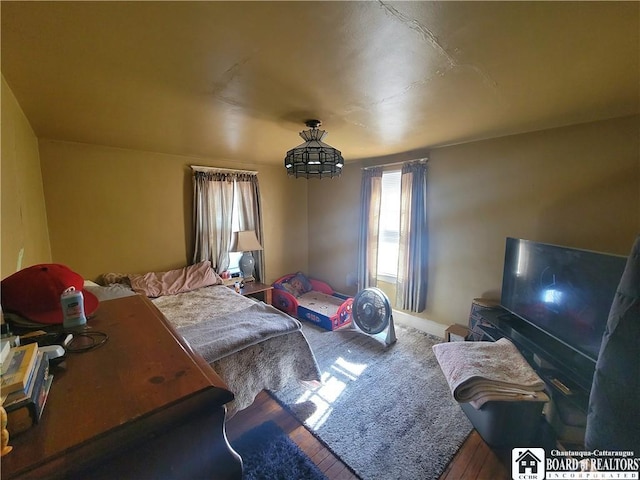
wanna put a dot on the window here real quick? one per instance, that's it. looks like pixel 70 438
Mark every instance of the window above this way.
pixel 225 200
pixel 234 257
pixel 389 233
pixel 393 237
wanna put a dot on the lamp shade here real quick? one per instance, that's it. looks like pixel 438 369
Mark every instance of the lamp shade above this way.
pixel 245 241
pixel 313 158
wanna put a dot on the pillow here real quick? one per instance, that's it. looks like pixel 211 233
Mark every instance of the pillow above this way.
pixel 111 278
pixel 296 285
pixel 114 290
pixel 157 284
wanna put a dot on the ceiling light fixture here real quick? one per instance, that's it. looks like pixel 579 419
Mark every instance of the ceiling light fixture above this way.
pixel 313 158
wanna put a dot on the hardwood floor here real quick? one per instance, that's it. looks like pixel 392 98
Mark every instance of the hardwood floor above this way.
pixel 474 461
pixel 265 408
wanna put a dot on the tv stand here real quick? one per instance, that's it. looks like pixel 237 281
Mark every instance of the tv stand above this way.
pixel 566 372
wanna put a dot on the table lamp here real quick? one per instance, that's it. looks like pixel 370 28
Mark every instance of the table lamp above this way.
pixel 246 242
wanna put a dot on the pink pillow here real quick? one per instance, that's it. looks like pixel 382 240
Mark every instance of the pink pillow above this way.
pixel 157 284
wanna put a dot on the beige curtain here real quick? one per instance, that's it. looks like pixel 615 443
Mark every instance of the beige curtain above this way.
pixel 212 210
pixel 250 217
pixel 213 194
pixel 370 201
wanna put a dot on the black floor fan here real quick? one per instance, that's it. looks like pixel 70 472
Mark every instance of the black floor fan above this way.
pixel 372 314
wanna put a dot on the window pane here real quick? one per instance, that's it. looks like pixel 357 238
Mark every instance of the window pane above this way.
pixel 389 235
pixel 234 257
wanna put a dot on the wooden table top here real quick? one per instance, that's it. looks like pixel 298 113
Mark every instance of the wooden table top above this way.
pixel 144 376
pixel 254 287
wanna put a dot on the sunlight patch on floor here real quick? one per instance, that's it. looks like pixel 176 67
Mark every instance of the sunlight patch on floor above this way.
pixel 334 381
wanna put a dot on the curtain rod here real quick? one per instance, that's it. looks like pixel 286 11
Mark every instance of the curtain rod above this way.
pixel 419 160
pixel 200 168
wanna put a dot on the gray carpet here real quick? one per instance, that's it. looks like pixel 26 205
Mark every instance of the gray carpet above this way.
pixel 387 412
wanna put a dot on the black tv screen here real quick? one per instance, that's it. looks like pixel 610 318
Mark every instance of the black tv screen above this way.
pixel 565 292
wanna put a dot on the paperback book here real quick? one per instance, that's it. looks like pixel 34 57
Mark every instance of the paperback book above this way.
pixel 40 372
pixel 20 369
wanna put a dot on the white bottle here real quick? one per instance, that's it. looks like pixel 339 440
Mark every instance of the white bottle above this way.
pixel 72 308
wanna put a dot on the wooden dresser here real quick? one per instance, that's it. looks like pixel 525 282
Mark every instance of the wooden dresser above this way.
pixel 142 406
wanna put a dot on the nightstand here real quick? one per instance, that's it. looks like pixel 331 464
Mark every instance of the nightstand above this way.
pixel 257 290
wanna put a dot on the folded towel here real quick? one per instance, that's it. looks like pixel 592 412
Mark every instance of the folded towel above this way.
pixel 478 372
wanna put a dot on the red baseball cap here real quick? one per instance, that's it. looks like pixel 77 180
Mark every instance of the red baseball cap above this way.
pixel 34 292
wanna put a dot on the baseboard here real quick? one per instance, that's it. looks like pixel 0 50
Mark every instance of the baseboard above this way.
pixel 423 324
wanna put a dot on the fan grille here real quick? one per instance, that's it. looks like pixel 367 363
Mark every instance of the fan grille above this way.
pixel 371 310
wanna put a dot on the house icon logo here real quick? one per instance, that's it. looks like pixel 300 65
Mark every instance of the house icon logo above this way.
pixel 527 464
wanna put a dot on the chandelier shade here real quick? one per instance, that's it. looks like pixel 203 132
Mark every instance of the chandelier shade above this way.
pixel 313 158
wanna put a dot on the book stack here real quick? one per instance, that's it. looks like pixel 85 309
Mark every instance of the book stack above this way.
pixel 6 354
pixel 24 387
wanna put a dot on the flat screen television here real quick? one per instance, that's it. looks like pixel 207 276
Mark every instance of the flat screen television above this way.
pixel 565 292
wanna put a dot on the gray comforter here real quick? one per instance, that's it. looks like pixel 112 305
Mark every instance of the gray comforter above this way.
pixel 252 346
pixel 220 335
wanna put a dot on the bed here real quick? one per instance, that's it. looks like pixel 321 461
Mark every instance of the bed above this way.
pixel 312 300
pixel 252 346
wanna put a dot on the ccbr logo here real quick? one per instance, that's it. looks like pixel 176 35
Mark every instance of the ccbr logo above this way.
pixel 527 464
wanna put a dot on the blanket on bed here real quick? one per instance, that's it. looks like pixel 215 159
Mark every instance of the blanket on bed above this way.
pixel 270 363
pixel 223 335
pixel 478 372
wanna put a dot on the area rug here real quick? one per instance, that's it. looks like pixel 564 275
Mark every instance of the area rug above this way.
pixel 269 454
pixel 387 412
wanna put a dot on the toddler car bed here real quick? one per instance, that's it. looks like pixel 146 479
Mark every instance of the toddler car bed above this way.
pixel 312 300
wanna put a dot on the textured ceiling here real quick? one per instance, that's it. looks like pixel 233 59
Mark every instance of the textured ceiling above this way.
pixel 237 80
